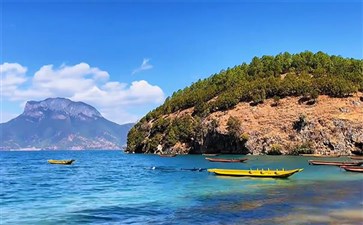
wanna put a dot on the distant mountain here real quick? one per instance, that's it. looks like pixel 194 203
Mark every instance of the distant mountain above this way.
pixel 59 123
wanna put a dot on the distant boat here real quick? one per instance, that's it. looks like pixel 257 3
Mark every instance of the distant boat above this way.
pixel 167 155
pixel 62 162
pixel 357 152
pixel 358 169
pixel 206 154
pixel 335 163
pixel 255 173
pixel 225 160
pixel 319 155
pixel 356 157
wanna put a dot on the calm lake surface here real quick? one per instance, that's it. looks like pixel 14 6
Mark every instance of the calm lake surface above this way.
pixel 110 187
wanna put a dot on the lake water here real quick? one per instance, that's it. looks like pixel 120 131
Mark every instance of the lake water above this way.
pixel 110 187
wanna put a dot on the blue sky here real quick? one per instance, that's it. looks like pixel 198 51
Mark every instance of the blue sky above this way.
pixel 124 58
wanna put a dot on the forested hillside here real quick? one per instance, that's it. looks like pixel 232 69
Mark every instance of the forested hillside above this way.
pixel 185 117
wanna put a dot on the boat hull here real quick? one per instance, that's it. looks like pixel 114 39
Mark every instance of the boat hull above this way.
pixel 357 169
pixel 225 160
pixel 334 163
pixel 356 157
pixel 61 162
pixel 167 155
pixel 320 156
pixel 255 173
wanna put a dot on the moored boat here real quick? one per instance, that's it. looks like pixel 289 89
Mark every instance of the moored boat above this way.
pixel 255 173
pixel 356 157
pixel 167 155
pixel 358 169
pixel 357 152
pixel 225 160
pixel 206 154
pixel 335 163
pixel 62 162
pixel 320 156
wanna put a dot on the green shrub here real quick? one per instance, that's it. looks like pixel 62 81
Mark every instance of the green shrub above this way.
pixel 244 137
pixel 275 150
pixel 305 148
pixel 276 101
pixel 234 127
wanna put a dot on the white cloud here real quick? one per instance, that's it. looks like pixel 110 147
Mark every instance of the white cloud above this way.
pixel 12 76
pixel 144 66
pixel 80 82
pixel 12 68
pixel 138 93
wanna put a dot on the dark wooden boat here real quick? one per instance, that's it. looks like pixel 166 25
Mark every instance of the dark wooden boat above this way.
pixel 358 152
pixel 358 169
pixel 210 154
pixel 321 156
pixel 335 163
pixel 167 155
pixel 225 160
pixel 356 157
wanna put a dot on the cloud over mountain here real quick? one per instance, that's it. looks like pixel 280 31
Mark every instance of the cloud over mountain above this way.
pixel 79 82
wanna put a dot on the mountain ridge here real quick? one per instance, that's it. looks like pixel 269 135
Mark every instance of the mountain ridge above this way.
pixel 61 105
pixel 59 123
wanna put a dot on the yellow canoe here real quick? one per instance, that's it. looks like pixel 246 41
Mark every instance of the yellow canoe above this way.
pixel 63 162
pixel 255 173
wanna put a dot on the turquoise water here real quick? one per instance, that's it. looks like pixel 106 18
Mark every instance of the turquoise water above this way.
pixel 110 187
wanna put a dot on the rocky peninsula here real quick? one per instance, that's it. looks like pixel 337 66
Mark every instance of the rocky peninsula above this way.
pixel 284 104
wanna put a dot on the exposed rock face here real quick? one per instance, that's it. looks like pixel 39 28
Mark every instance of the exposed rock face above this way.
pixel 327 129
pixel 59 123
pixel 329 126
pixel 214 142
pixel 60 108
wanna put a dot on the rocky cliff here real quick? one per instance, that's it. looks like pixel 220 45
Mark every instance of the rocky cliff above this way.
pixel 329 126
pixel 59 123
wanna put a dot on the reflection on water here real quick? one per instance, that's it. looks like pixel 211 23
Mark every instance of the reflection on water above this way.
pixel 107 187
